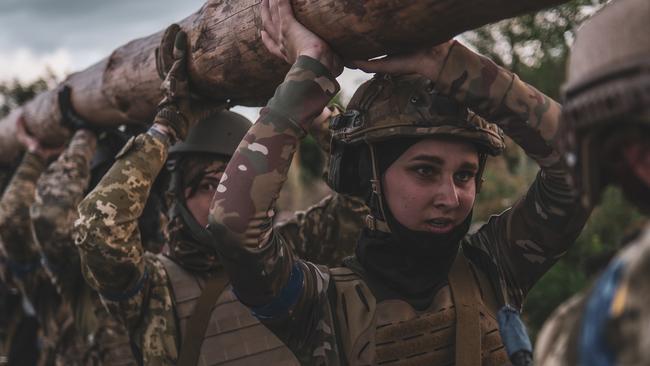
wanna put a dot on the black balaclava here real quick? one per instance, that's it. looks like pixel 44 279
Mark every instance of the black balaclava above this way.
pixel 406 264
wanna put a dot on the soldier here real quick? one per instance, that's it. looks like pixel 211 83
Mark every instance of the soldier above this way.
pixel 168 301
pixel 405 143
pixel 94 337
pixel 39 297
pixel 607 141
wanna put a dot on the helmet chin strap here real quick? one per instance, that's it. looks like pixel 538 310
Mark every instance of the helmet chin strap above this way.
pixel 372 222
pixel 196 231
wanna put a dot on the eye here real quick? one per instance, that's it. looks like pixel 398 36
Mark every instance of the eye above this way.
pixel 464 176
pixel 425 171
pixel 208 185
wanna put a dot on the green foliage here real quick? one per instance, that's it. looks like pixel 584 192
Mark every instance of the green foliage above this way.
pixel 311 158
pixel 13 94
pixel 604 234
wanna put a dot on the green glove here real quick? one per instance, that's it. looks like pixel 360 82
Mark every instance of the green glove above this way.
pixel 180 109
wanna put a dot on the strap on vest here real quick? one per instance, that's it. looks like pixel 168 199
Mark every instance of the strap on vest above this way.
pixel 468 321
pixel 198 322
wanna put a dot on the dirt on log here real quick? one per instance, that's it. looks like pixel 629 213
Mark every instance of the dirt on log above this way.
pixel 229 60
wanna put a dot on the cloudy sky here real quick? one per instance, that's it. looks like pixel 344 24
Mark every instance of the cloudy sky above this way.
pixel 70 35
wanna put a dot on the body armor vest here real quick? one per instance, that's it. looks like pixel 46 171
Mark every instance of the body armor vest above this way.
pixel 233 336
pixel 392 332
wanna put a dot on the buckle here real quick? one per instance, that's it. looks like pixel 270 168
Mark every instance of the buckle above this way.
pixel 348 120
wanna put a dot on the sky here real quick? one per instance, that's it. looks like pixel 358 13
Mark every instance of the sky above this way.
pixel 65 36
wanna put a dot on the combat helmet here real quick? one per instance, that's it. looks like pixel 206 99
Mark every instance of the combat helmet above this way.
pixel 388 107
pixel 217 135
pixel 608 87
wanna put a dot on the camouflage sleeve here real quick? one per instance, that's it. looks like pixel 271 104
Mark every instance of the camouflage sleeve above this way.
pixel 15 228
pixel 525 114
pixel 106 232
pixel 326 232
pixel 526 240
pixel 261 268
pixel 54 211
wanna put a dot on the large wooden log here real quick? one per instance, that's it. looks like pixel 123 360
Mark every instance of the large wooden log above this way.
pixel 230 62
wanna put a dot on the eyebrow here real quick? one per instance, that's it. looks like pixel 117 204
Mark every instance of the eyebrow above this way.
pixel 439 161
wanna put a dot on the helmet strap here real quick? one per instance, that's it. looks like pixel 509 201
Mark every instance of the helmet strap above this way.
pixel 372 222
pixel 179 208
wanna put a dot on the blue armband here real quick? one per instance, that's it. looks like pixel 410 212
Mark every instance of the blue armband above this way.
pixel 593 349
pixel 287 298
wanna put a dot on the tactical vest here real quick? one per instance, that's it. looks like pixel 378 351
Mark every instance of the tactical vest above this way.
pixel 392 332
pixel 233 336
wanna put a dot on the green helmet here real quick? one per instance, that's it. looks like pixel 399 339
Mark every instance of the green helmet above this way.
pixel 608 88
pixel 218 134
pixel 388 107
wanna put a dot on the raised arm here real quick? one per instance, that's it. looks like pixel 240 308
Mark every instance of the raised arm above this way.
pixel 259 264
pixel 15 226
pixel 15 230
pixel 540 227
pixel 106 232
pixel 54 211
pixel 524 241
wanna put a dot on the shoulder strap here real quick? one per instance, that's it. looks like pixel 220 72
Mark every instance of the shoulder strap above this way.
pixel 200 318
pixel 198 322
pixel 468 321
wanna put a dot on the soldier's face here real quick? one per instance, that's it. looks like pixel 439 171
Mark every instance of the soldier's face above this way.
pixel 432 186
pixel 198 201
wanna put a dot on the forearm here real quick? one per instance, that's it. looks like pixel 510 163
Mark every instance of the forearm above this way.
pixel 525 114
pixel 106 232
pixel 15 228
pixel 58 193
pixel 242 210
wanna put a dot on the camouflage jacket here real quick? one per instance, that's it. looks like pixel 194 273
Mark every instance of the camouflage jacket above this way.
pixel 134 285
pixel 15 227
pixel 23 258
pixel 606 324
pixel 94 337
pixel 290 295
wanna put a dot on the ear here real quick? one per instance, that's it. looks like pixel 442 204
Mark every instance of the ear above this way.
pixel 637 156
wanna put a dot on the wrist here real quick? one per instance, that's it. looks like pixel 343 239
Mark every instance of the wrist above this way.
pixel 323 55
pixel 164 132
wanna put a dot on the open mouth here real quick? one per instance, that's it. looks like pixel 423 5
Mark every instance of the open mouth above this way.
pixel 440 225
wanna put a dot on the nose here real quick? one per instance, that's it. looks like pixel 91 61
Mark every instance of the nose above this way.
pixel 446 195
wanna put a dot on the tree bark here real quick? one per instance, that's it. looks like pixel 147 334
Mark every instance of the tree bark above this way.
pixel 229 60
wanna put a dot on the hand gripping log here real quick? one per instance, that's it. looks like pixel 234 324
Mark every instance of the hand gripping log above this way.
pixel 229 61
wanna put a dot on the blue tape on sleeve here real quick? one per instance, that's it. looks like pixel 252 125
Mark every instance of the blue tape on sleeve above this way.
pixel 287 298
pixel 593 347
pixel 117 297
pixel 513 331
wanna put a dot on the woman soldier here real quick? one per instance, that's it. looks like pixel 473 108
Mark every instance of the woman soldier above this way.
pixel 418 290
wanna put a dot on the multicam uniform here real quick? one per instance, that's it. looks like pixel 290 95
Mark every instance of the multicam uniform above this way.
pixel 146 291
pixel 97 338
pixel 23 259
pixel 331 323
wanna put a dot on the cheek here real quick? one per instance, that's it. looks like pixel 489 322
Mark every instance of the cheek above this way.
pixel 199 207
pixel 466 198
pixel 405 196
